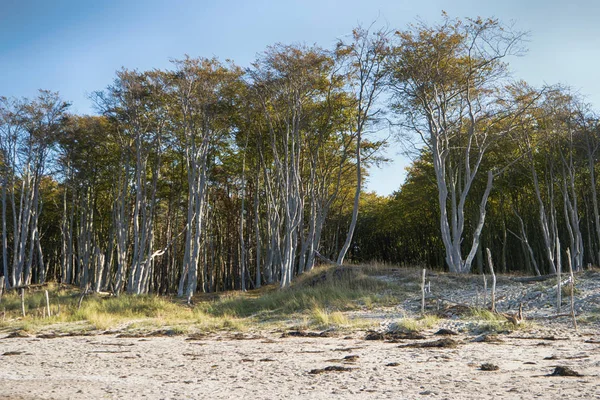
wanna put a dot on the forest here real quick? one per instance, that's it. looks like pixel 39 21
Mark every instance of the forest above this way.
pixel 210 176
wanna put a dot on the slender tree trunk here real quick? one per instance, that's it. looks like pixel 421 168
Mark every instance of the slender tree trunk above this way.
pixel 242 217
pixel 41 264
pixel 591 151
pixel 192 278
pixel 34 231
pixel 63 234
pixel 504 243
pixel 6 281
pixel 99 259
pixel 525 242
pixel 122 231
pixel 346 246
pixel 257 283
pixel 545 222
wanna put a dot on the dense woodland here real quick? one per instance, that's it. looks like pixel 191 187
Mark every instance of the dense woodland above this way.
pixel 209 176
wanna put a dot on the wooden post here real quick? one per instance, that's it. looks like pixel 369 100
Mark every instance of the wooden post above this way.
pixel 572 289
pixel 491 265
pixel 423 292
pixel 23 301
pixel 484 290
pixel 47 304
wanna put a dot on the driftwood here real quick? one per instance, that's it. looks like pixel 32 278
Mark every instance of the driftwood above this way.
pixel 90 292
pixel 562 283
pixel 515 318
pixel 555 316
pixel 529 279
pixel 551 338
pixel 331 368
pixel 440 343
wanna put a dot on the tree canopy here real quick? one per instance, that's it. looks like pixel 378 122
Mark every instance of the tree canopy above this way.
pixel 209 176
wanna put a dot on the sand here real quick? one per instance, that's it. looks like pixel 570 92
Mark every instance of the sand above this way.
pixel 268 366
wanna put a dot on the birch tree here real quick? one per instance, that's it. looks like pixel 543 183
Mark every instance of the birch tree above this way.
pixel 365 57
pixel 27 131
pixel 287 80
pixel 446 81
pixel 135 105
pixel 201 90
pixel 591 133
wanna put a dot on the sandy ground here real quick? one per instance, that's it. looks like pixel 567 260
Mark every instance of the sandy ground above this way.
pixel 273 367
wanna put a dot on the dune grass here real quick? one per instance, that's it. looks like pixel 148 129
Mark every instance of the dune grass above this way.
pixel 416 324
pixel 318 289
pixel 99 312
pixel 319 298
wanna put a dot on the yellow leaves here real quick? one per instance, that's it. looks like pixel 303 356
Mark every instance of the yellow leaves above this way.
pixel 447 64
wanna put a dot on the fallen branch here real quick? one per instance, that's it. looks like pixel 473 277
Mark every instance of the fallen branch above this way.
pixel 439 298
pixel 322 257
pixel 562 283
pixel 540 278
pixel 550 338
pixel 31 286
pixel 554 316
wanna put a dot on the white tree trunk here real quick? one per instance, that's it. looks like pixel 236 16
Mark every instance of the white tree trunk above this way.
pixel 348 241
pixel 5 280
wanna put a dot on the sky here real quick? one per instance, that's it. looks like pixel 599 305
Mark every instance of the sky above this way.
pixel 75 46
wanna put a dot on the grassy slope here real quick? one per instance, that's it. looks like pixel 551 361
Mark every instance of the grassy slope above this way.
pixel 344 298
pixel 316 299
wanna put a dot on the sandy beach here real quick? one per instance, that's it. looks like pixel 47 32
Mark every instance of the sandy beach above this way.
pixel 269 366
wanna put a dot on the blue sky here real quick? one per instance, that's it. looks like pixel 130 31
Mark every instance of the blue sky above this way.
pixel 75 47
